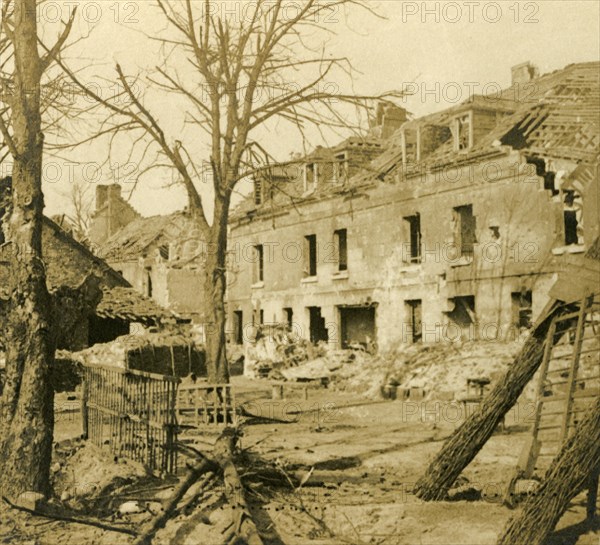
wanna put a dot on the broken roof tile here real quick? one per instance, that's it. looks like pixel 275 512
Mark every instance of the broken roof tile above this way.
pixel 131 306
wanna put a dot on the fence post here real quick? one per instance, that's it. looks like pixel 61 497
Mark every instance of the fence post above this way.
pixel 84 405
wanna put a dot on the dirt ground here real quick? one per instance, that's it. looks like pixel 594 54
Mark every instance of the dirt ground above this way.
pixel 357 460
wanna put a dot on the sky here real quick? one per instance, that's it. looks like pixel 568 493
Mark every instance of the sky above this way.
pixel 441 51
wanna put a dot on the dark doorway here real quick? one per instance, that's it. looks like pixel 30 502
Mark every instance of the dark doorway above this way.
pixel 238 327
pixel 358 327
pixel 289 317
pixel 318 331
pixel 105 330
pixel 414 318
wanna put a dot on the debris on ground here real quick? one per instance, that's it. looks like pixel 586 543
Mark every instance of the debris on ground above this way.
pixel 435 369
pixel 85 472
pixel 166 352
pixel 275 348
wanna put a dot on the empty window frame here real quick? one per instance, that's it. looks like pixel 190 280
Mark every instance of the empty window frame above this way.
pixel 413 313
pixel 317 328
pixel 522 302
pixel 258 274
pixel 311 175
pixel 413 231
pixel 341 246
pixel 310 255
pixel 357 327
pixel 465 229
pixel 463 132
pixel 149 282
pixel 340 168
pixel 463 313
pixel 238 327
pixel 571 215
pixel 288 314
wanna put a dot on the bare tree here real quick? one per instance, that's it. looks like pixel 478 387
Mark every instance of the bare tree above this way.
pixel 237 78
pixel 77 222
pixel 26 420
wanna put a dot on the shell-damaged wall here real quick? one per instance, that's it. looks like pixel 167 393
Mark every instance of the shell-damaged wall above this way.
pixel 516 224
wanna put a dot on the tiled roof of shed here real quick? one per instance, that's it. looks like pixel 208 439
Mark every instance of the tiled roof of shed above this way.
pixel 130 305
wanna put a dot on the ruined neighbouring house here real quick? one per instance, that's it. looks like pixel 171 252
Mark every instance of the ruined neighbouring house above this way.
pixel 161 256
pixel 69 267
pixel 445 227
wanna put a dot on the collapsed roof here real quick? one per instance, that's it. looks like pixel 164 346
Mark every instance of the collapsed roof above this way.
pixel 554 116
pixel 135 239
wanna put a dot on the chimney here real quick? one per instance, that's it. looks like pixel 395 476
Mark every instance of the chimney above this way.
pixel 524 73
pixel 114 192
pixel 101 194
pixel 106 192
pixel 391 119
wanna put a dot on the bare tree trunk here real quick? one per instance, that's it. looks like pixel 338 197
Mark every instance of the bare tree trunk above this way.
pixel 215 286
pixel 27 417
pixel 569 473
pixel 243 523
pixel 471 436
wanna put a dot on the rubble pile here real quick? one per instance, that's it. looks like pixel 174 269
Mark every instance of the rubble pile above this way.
pixel 86 472
pixel 166 352
pixel 437 370
pixel 276 349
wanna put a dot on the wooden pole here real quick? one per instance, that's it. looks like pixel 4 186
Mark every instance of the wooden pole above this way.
pixel 234 490
pixel 574 467
pixel 201 467
pixel 464 444
pixel 592 495
pixel 84 404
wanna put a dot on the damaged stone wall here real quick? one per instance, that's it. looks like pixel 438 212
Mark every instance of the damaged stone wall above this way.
pixel 516 226
pixel 185 293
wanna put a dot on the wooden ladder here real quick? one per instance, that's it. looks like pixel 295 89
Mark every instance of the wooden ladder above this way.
pixel 569 382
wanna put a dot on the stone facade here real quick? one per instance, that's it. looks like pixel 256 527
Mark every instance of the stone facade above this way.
pixel 453 232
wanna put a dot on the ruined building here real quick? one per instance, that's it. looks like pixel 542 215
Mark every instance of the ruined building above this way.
pixel 158 255
pixel 71 265
pixel 445 227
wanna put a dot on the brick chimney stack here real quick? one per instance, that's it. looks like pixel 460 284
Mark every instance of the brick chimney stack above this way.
pixel 524 73
pixel 104 193
pixel 388 119
pixel 111 215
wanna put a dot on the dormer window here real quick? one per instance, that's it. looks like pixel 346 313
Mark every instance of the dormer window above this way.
pixel 572 218
pixel 311 175
pixel 340 168
pixel 462 131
